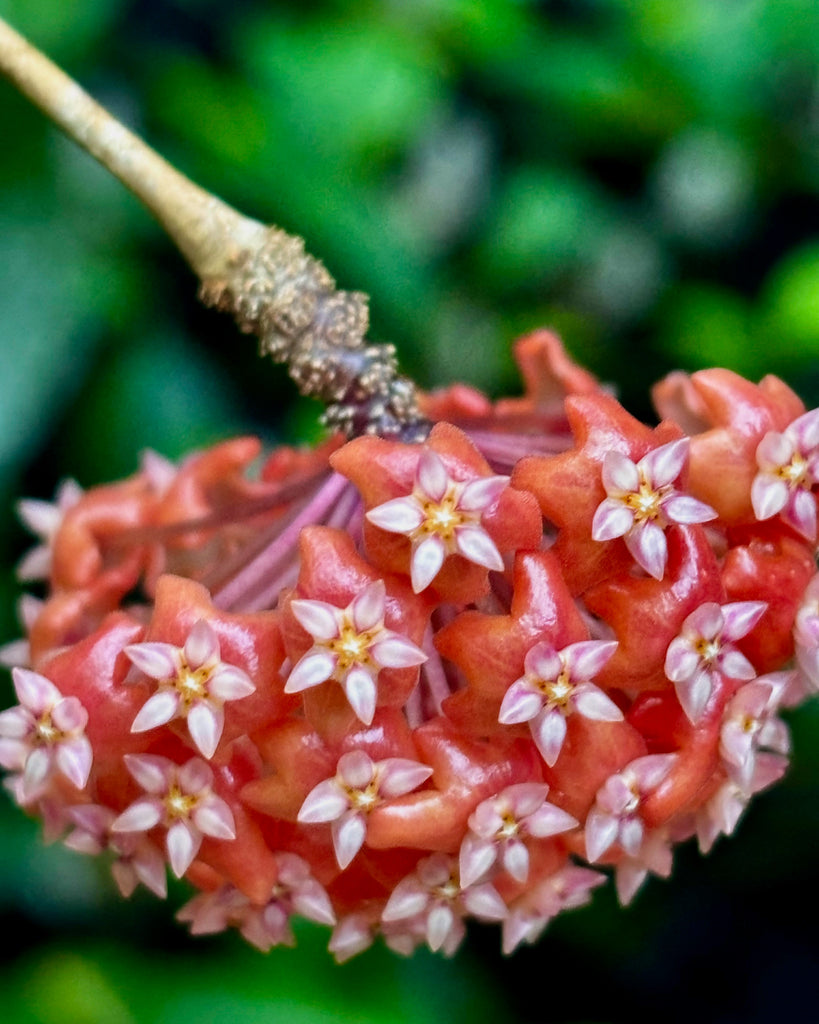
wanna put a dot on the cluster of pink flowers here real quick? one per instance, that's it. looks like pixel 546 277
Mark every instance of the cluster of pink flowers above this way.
pixel 391 686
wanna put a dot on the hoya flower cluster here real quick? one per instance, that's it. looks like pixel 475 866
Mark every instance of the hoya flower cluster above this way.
pixel 391 686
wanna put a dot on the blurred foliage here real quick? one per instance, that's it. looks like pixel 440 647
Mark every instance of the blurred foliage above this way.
pixel 644 176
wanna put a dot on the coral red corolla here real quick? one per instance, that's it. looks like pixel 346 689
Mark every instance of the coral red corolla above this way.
pixel 391 686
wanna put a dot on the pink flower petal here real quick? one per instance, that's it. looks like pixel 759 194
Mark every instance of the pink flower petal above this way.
pixel 319 618
pixel 408 898
pixel 543 662
pixel 311 901
pixel 619 474
pixel 681 660
pixel 34 691
pixel 806 430
pixel 549 820
pixel 740 618
pixel 431 475
pixel 549 732
pixel 355 769
pixel 74 758
pixel 349 833
pixel 480 495
pixel 800 513
pixel 484 902
pixel 157 710
pixel 735 665
pixel 150 771
pixel 520 704
pixel 396 651
pixel 201 646
pixel 360 688
pixel 39 765
pixel 475 544
pixel 230 683
pixel 590 702
pixel 663 465
pixel 182 844
pixel 693 693
pixel 769 495
pixel 611 520
pixel 326 802
pixel 476 857
pixel 399 775
pixel 426 562
pixel 195 776
pixel 68 715
pixel 214 818
pixel 440 922
pixel 141 816
pixel 631 836
pixel 652 769
pixel 149 867
pixel 515 859
pixel 585 659
pixel 647 546
pixel 314 668
pixel 774 451
pixel 401 515
pixel 682 508
pixel 601 832
pixel 524 798
pixel 157 660
pixel 16 723
pixel 368 608
pixel 205 725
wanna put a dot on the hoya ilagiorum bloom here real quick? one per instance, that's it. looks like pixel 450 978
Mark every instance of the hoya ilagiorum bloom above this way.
pixel 389 686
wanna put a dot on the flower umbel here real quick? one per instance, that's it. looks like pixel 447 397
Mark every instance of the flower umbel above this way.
pixel 351 645
pixel 441 517
pixel 642 501
pixel 390 685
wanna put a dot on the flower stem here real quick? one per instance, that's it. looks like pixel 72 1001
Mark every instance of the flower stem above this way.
pixel 260 274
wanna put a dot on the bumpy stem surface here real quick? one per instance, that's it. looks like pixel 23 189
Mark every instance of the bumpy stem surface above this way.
pixel 260 274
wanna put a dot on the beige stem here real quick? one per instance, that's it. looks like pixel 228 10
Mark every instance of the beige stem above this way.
pixel 208 232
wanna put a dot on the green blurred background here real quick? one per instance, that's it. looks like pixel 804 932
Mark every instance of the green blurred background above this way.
pixel 643 176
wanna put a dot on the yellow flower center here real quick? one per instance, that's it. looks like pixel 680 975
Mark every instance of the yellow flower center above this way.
pixel 364 799
pixel 442 517
pixel 557 691
pixel 645 503
pixel 707 649
pixel 351 647
pixel 179 804
pixel 46 732
pixel 191 684
pixel 795 473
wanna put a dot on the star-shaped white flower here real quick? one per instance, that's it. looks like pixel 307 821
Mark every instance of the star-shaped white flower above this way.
pixel 705 649
pixel 642 501
pixel 615 816
pixel 531 912
pixel 263 925
pixel 721 814
pixel 181 800
pixel 350 645
pixel 750 724
pixel 194 684
pixel 788 471
pixel 442 517
pixel 136 858
pixel 44 518
pixel 44 734
pixel 433 899
pixel 556 684
pixel 359 785
pixel 499 827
